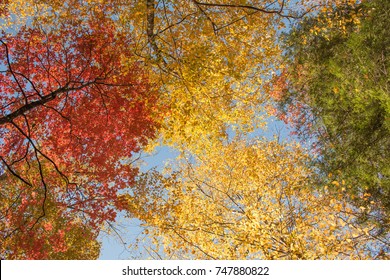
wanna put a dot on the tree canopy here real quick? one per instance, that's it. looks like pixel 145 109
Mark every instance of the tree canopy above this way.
pixel 250 200
pixel 89 86
pixel 336 92
pixel 72 119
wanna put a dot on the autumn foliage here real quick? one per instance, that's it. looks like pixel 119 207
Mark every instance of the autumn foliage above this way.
pixel 87 87
pixel 250 200
pixel 72 118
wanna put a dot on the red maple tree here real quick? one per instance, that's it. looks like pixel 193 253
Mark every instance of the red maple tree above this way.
pixel 72 118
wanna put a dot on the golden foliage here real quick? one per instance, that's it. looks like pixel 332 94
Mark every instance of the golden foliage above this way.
pixel 247 201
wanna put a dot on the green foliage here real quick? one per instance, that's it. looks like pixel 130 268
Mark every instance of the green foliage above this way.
pixel 338 91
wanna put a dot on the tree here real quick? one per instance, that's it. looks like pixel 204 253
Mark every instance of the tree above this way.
pixel 60 233
pixel 72 119
pixel 210 60
pixel 75 82
pixel 250 200
pixel 336 91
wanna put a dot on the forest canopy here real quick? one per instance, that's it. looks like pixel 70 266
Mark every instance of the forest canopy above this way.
pixel 89 88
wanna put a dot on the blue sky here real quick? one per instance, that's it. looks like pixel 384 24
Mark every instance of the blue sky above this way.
pixel 117 248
